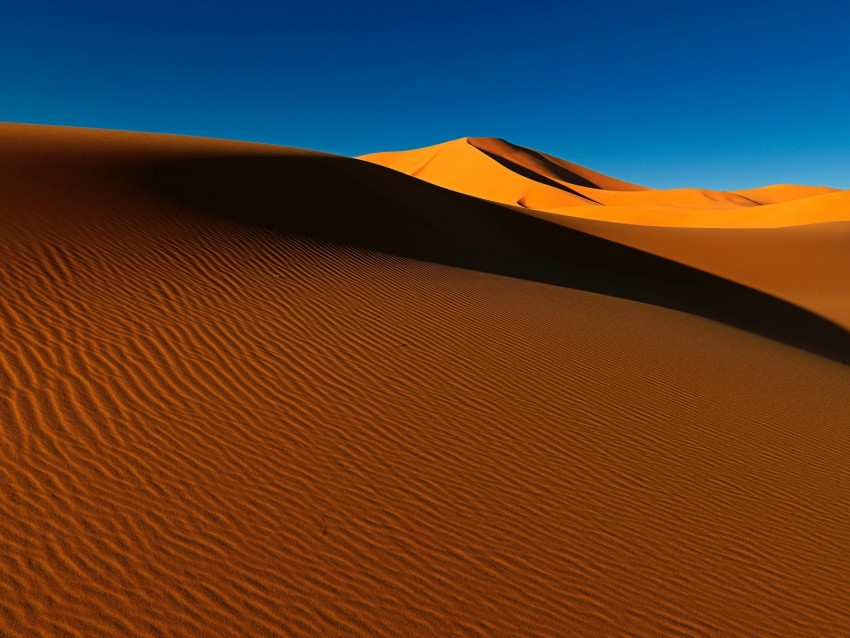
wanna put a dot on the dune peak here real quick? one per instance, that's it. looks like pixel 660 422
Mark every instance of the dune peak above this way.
pixel 495 169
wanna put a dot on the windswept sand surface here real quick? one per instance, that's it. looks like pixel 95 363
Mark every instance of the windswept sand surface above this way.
pixel 256 391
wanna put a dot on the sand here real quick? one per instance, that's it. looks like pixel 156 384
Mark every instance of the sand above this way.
pixel 800 264
pixel 257 391
pixel 498 171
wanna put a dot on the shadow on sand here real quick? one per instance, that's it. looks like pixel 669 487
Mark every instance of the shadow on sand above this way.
pixel 359 204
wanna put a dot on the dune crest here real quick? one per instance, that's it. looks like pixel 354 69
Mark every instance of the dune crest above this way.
pixel 511 174
pixel 462 167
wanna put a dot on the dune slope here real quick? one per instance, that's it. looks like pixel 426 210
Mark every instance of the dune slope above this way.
pixel 256 391
pixel 499 171
pixel 803 264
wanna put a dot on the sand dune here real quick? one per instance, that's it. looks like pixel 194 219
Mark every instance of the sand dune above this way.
pixel 781 193
pixel 461 167
pixel 257 391
pixel 801 264
pixel 498 171
pixel 717 232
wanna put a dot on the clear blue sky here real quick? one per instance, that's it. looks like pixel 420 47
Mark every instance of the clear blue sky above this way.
pixel 666 93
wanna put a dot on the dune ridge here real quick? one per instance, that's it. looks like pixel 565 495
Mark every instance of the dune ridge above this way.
pixel 511 174
pixel 258 391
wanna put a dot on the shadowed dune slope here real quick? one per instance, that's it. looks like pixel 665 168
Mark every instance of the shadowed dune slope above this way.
pixel 372 208
pixel 805 265
pixel 256 391
pixel 543 165
pixel 498 171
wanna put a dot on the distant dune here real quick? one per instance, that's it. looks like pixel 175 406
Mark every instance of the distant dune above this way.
pixel 496 170
pixel 788 241
pixel 257 391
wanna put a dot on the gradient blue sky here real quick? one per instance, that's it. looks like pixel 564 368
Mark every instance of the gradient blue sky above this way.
pixel 721 94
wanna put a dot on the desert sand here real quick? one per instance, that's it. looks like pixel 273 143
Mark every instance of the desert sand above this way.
pixel 257 391
pixel 498 171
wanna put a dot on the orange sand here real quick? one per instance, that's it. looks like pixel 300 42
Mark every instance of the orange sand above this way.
pixel 804 264
pixel 257 391
pixel 502 172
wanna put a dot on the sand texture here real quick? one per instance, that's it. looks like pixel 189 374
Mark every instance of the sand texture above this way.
pixel 255 391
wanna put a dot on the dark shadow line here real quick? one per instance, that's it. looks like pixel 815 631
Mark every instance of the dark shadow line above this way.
pixel 562 173
pixel 360 204
pixel 529 174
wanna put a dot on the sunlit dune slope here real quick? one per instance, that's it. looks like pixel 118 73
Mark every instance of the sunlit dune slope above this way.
pixel 502 172
pixel 255 391
pixel 780 193
pixel 461 167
